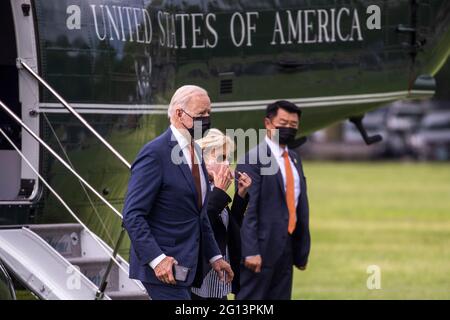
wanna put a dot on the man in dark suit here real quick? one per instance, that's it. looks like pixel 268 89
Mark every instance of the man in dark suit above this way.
pixel 275 231
pixel 165 207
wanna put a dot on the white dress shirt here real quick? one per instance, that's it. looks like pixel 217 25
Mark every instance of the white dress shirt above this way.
pixel 277 152
pixel 185 147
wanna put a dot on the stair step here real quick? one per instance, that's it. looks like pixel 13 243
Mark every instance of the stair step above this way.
pixel 64 238
pixel 43 255
pixel 127 295
pixel 40 268
pixel 82 251
pixel 56 227
pixel 94 268
pixel 88 260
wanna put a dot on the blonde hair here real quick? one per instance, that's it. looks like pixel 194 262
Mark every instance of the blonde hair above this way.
pixel 216 139
pixel 182 96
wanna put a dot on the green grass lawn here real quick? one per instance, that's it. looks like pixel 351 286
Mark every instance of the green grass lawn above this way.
pixel 393 215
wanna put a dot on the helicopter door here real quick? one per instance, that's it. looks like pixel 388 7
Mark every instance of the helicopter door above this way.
pixel 20 93
pixel 10 162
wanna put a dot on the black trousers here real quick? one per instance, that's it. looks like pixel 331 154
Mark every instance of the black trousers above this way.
pixel 167 292
pixel 272 283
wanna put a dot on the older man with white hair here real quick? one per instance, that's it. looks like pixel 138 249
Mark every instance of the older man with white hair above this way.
pixel 165 212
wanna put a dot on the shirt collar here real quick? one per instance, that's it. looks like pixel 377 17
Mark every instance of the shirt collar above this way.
pixel 275 148
pixel 181 139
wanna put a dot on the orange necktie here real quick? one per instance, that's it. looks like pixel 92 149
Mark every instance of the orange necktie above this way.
pixel 290 193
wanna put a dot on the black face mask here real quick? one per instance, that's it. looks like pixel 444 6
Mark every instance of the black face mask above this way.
pixel 286 135
pixel 204 122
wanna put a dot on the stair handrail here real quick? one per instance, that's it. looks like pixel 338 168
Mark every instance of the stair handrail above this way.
pixel 104 282
pixel 65 205
pixel 63 162
pixel 22 64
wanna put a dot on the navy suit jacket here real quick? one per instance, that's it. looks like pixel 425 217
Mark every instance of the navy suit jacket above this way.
pixel 161 214
pixel 265 225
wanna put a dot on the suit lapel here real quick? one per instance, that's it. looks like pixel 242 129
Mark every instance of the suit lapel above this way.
pixel 205 175
pixel 199 151
pixel 296 162
pixel 280 180
pixel 183 166
pixel 294 159
pixel 278 175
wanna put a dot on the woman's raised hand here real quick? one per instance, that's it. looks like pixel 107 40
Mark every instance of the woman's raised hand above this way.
pixel 222 177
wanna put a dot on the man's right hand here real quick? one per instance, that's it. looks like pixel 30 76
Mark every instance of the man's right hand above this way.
pixel 163 270
pixel 254 263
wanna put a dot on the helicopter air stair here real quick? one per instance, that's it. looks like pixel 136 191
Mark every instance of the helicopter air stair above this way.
pixel 64 262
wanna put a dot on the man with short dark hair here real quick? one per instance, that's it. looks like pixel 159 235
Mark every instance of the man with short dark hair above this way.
pixel 275 231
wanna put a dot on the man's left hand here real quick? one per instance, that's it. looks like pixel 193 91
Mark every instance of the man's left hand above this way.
pixel 220 266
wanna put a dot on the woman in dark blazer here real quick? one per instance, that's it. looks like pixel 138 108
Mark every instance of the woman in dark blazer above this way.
pixel 225 220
